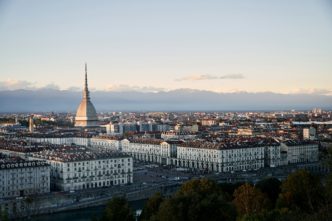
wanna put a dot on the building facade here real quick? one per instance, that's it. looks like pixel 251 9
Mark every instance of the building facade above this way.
pixel 86 169
pixel 173 135
pixel 81 141
pixel 273 156
pixel 20 177
pixel 299 152
pixel 309 133
pixel 232 154
pixel 150 150
pixel 212 157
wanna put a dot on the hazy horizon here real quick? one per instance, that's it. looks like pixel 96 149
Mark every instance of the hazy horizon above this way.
pixel 46 100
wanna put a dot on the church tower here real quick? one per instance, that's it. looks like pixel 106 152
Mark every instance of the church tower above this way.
pixel 86 115
pixel 31 126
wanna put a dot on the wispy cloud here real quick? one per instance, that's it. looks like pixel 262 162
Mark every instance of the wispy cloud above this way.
pixel 210 77
pixel 51 86
pixel 74 89
pixel 16 84
pixel 317 91
pixel 11 84
pixel 123 87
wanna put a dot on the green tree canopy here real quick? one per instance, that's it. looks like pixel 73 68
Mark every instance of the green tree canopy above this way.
pixel 118 209
pixel 151 208
pixel 3 216
pixel 197 200
pixel 249 200
pixel 229 188
pixel 270 187
pixel 301 191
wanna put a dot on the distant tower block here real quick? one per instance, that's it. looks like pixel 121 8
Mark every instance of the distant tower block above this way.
pixel 309 133
pixel 86 115
pixel 31 129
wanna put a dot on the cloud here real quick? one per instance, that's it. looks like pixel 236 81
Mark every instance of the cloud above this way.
pixel 316 91
pixel 123 87
pixel 51 86
pixel 11 85
pixel 74 89
pixel 210 77
pixel 16 85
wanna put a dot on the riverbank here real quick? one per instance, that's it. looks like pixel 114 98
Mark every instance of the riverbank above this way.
pixel 59 202
pixel 86 214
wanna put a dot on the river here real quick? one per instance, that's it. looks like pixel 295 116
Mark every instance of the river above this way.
pixel 83 214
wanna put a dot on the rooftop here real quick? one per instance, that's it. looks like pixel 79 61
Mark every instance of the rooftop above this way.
pixel 298 142
pixel 146 141
pixel 20 145
pixel 17 162
pixel 74 153
pixel 108 137
pixel 232 143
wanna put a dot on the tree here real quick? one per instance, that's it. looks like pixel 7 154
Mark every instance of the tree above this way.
pixel 328 188
pixel 3 215
pixel 301 191
pixel 151 207
pixel 30 204
pixel 270 187
pixel 328 183
pixel 229 188
pixel 118 209
pixel 328 157
pixel 197 200
pixel 325 213
pixel 249 200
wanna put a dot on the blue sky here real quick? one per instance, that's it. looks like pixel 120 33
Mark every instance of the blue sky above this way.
pixel 279 46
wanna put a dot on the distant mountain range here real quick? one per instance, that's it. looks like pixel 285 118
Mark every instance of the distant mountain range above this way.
pixel 40 100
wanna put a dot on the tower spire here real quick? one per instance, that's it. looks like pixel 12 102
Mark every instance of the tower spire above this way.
pixel 86 75
pixel 86 90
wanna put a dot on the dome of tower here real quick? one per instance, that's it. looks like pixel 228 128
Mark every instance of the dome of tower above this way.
pixel 86 111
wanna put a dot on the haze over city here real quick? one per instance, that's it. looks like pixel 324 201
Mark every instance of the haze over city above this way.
pixel 165 110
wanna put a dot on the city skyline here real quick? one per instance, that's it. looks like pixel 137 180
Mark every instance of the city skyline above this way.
pixel 165 110
pixel 224 47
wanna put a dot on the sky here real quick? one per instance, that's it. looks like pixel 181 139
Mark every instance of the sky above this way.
pixel 153 45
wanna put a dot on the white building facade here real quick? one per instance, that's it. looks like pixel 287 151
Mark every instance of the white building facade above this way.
pixel 309 133
pixel 106 143
pixel 150 150
pixel 81 141
pixel 22 178
pixel 98 142
pixel 86 173
pixel 273 156
pixel 299 152
pixel 223 156
pixel 220 160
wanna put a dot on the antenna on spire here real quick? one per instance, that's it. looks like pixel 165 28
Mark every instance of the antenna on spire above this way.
pixel 86 75
pixel 86 90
